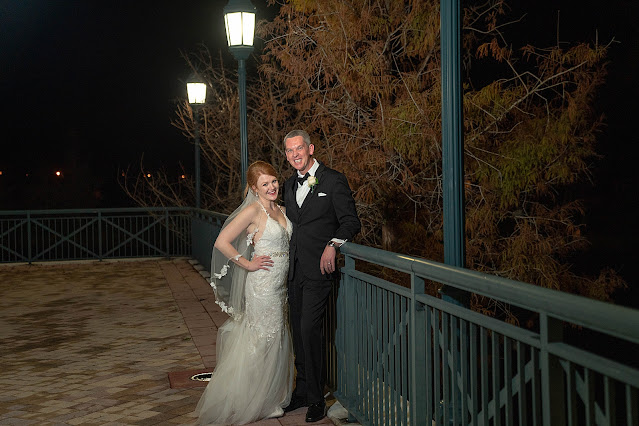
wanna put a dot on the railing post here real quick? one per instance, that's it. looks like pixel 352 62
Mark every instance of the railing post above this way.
pixel 347 360
pixel 418 390
pixel 552 374
pixel 193 226
pixel 29 237
pixel 166 224
pixel 100 235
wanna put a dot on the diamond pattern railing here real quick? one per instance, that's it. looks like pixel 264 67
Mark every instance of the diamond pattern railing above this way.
pixel 407 358
pixel 396 355
pixel 53 235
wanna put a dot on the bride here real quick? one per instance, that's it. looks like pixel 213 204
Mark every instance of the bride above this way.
pixel 253 377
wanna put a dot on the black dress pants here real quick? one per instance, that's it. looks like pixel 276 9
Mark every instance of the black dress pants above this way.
pixel 307 303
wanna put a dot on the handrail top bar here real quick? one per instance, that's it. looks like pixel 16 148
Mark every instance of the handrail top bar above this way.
pixel 96 210
pixel 619 321
pixel 203 212
pixel 221 216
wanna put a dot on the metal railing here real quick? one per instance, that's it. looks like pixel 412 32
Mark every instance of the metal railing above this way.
pixel 400 356
pixel 407 358
pixel 205 226
pixel 78 234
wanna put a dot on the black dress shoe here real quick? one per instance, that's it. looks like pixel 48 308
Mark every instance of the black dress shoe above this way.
pixel 296 402
pixel 316 412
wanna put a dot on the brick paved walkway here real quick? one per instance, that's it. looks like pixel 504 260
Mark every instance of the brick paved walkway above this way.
pixel 93 342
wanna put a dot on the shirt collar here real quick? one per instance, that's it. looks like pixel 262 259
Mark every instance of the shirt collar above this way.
pixel 312 170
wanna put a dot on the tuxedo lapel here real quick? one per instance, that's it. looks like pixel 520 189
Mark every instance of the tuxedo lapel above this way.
pixel 311 194
pixel 292 189
pixel 305 203
pixel 319 173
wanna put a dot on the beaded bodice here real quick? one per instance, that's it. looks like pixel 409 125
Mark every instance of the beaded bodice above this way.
pixel 266 290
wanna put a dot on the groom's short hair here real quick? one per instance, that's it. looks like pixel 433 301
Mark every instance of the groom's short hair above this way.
pixel 295 133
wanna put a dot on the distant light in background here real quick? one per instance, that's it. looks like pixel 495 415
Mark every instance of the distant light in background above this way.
pixel 148 175
pixel 0 172
pixel 58 173
pixel 183 176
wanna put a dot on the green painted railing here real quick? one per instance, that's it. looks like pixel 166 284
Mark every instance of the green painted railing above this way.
pixel 400 356
pixel 205 226
pixel 78 234
pixel 407 358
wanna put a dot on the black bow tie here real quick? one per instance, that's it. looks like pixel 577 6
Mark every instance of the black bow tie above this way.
pixel 301 180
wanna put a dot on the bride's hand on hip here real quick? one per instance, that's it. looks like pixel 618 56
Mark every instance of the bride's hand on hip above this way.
pixel 260 262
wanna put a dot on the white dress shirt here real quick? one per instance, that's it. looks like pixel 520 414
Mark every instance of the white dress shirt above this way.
pixel 304 189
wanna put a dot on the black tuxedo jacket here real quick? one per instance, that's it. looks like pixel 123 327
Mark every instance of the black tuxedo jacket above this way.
pixel 327 212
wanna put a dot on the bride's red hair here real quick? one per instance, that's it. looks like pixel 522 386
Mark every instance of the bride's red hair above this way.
pixel 256 170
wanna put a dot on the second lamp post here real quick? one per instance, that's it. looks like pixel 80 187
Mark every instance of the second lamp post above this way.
pixel 196 91
pixel 239 20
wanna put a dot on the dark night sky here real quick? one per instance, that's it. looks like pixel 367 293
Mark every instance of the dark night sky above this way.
pixel 92 83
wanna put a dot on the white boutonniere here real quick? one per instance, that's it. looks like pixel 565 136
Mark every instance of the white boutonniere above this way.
pixel 312 181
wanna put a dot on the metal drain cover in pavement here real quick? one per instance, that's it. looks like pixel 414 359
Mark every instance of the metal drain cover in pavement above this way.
pixel 202 377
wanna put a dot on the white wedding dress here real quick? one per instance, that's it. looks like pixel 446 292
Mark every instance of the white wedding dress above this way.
pixel 253 377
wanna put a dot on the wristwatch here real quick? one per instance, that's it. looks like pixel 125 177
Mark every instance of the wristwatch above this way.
pixel 332 244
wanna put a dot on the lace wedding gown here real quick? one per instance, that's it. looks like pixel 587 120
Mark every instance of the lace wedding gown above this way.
pixel 253 377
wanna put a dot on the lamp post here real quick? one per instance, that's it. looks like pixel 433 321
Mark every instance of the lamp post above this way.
pixel 239 20
pixel 452 146
pixel 196 91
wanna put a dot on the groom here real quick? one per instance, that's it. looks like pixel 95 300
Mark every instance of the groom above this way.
pixel 320 205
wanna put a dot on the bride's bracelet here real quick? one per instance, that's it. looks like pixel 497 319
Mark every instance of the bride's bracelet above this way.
pixel 237 258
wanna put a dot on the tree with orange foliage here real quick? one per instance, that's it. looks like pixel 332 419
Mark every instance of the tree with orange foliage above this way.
pixel 366 77
pixel 363 78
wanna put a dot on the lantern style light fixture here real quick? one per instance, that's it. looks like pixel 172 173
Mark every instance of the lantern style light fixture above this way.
pixel 239 20
pixel 196 92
